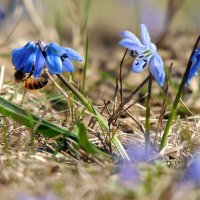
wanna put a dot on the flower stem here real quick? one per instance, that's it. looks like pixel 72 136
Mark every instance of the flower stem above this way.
pixel 148 108
pixel 102 122
pixel 177 99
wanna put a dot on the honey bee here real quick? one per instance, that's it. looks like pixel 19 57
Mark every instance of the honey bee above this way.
pixel 29 82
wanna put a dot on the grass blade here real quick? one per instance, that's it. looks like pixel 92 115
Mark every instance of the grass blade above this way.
pixel 84 141
pixel 45 128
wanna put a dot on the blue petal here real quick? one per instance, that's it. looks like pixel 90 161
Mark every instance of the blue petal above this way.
pixel 39 63
pixel 27 66
pixel 196 56
pixel 59 50
pixel 67 66
pixel 130 41
pixel 16 56
pixel 73 55
pixel 140 63
pixel 194 69
pixel 156 67
pixel 21 55
pixel 53 61
pixel 128 34
pixel 145 38
pixel 132 45
pixel 152 48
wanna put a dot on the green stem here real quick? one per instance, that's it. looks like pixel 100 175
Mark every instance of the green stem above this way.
pixel 177 99
pixel 85 65
pixel 148 108
pixel 103 123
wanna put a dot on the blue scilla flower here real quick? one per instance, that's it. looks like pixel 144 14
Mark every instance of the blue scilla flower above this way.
pixel 28 58
pixel 195 66
pixel 59 58
pixel 146 52
pixel 56 58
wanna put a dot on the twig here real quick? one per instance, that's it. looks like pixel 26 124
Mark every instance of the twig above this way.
pixel 120 75
pixel 115 115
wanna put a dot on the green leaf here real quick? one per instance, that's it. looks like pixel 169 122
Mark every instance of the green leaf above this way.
pixel 29 120
pixel 83 139
pixel 46 128
pixel 86 144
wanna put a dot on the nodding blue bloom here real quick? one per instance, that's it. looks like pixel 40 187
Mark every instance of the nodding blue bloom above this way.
pixel 195 66
pixel 146 52
pixel 28 58
pixel 57 59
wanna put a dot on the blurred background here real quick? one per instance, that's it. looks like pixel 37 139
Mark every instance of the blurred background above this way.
pixel 173 26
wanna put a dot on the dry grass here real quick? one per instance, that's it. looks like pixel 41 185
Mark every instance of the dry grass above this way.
pixel 29 170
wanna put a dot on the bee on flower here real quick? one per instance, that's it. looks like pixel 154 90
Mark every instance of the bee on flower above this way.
pixel 32 58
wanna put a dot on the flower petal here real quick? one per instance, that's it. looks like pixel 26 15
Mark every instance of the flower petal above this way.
pixel 194 68
pixel 39 63
pixel 53 61
pixel 132 45
pixel 67 66
pixel 73 55
pixel 27 66
pixel 21 55
pixel 145 38
pixel 59 50
pixel 140 63
pixel 196 55
pixel 156 67
pixel 128 34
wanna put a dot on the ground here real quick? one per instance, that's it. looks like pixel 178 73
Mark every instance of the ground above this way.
pixel 35 167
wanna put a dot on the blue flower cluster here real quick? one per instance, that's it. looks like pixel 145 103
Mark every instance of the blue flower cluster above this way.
pixel 146 52
pixel 56 58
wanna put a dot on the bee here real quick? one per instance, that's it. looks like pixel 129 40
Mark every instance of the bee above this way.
pixel 29 82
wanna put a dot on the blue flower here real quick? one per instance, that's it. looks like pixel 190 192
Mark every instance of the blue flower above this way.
pixel 28 58
pixel 146 52
pixel 195 66
pixel 56 58
pixel 192 173
pixel 129 173
pixel 59 58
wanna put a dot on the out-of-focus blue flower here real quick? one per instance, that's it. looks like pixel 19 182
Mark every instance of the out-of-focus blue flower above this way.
pixel 139 154
pixel 129 173
pixel 2 14
pixel 57 59
pixel 195 66
pixel 192 173
pixel 146 52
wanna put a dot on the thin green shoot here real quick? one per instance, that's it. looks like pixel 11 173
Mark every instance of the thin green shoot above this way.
pixel 148 109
